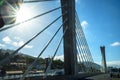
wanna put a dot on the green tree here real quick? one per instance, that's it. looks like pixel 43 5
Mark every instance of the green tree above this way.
pixel 57 64
pixel 1 2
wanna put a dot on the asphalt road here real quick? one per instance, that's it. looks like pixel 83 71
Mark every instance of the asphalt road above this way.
pixel 101 77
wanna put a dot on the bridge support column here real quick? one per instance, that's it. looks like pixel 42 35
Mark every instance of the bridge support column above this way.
pixel 102 48
pixel 70 50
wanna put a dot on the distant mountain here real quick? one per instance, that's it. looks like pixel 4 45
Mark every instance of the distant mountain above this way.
pixel 3 52
pixel 25 55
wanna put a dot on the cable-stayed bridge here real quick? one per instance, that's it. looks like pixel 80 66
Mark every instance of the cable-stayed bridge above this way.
pixel 77 56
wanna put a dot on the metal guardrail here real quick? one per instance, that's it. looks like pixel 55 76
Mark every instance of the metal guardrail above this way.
pixel 7 77
pixel 18 76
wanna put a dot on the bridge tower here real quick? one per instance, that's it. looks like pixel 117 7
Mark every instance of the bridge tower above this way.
pixel 70 50
pixel 104 69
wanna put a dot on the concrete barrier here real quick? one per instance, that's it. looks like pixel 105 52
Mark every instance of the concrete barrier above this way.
pixel 69 77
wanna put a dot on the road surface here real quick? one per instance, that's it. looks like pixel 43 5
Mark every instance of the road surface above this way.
pixel 101 77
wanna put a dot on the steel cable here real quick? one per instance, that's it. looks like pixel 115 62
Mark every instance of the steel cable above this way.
pixel 48 67
pixel 34 1
pixel 11 26
pixel 15 52
pixel 31 66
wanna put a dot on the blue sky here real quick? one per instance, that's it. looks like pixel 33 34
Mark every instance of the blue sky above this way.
pixel 17 36
pixel 101 22
pixel 99 18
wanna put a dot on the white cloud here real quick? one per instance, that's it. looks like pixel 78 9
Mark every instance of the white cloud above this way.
pixel 61 57
pixel 28 46
pixel 84 24
pixel 16 42
pixel 115 44
pixel 6 40
pixel 17 38
pixel 20 43
pixel 113 63
pixel 2 45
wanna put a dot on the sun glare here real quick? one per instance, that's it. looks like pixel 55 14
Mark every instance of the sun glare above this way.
pixel 23 14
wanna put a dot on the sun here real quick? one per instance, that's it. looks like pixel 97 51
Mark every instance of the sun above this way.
pixel 23 14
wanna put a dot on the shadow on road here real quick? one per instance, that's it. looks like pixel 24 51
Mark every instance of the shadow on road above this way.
pixel 85 79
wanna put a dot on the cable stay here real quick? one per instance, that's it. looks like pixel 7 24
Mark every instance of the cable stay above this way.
pixel 84 42
pixel 84 52
pixel 84 35
pixel 81 42
pixel 79 51
pixel 34 1
pixel 31 66
pixel 11 26
pixel 48 67
pixel 15 52
pixel 79 26
pixel 83 39
pixel 82 62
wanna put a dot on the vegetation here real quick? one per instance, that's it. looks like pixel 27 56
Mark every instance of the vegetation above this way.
pixel 22 61
pixel 57 64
